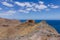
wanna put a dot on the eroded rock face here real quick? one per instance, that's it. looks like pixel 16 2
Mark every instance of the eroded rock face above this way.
pixel 15 30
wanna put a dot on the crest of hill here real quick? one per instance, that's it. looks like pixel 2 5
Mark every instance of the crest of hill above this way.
pixel 30 26
pixel 8 22
pixel 46 26
pixel 15 27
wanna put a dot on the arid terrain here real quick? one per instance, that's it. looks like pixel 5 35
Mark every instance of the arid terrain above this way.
pixel 29 30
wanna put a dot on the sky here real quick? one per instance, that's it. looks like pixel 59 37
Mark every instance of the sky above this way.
pixel 30 9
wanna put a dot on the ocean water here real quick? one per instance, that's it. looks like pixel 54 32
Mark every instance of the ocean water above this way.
pixel 53 23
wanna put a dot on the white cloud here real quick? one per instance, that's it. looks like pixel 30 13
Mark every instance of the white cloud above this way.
pixel 41 2
pixel 41 6
pixel 31 9
pixel 7 4
pixel 20 4
pixel 10 12
pixel 31 6
pixel 53 6
pixel 0 8
pixel 28 9
pixel 27 4
pixel 23 11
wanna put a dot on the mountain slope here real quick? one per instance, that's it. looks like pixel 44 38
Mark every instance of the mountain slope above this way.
pixel 16 30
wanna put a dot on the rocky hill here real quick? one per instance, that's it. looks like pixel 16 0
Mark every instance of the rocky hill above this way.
pixel 29 30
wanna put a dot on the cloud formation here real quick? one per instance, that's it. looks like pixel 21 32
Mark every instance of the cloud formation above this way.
pixel 41 6
pixel 8 13
pixel 30 6
pixel 23 11
pixel 7 4
pixel 20 4
pixel 54 6
pixel 35 6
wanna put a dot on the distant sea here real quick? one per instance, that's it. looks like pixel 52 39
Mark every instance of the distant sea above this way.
pixel 53 23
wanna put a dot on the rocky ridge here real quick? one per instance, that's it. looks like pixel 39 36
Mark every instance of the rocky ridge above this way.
pixel 29 30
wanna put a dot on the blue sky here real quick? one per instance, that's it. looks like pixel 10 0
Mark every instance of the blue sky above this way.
pixel 30 9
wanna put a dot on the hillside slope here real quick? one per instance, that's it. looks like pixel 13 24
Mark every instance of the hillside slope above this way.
pixel 29 30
